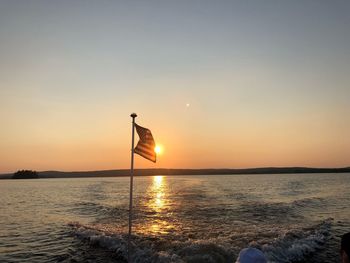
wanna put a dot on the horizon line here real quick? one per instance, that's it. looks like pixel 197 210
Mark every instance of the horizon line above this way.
pixel 192 169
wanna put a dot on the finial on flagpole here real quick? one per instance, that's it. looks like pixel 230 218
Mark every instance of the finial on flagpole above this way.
pixel 133 115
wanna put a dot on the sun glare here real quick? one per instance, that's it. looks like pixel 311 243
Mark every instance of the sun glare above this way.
pixel 158 149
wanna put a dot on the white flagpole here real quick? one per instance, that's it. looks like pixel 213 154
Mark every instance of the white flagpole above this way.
pixel 133 116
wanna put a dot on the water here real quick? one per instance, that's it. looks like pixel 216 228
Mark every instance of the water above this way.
pixel 292 218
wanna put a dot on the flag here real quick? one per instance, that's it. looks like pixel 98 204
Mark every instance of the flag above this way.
pixel 145 146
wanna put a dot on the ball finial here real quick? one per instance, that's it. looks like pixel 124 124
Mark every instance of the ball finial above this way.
pixel 133 115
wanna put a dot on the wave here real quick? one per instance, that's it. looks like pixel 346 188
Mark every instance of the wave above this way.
pixel 297 245
pixel 293 245
pixel 101 237
pixel 310 202
pixel 152 249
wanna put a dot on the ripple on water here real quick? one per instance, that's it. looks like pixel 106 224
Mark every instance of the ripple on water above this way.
pixel 176 219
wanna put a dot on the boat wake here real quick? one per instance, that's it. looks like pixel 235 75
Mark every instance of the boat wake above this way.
pixel 280 245
pixel 299 244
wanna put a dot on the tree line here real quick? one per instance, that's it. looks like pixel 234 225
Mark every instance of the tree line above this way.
pixel 25 174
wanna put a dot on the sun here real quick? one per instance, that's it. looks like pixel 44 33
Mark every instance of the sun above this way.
pixel 158 149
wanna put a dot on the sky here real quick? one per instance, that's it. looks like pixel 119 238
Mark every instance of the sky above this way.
pixel 221 84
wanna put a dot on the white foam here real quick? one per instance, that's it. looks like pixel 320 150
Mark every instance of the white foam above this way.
pixel 118 244
pixel 293 245
pixel 113 242
pixel 145 251
pixel 296 245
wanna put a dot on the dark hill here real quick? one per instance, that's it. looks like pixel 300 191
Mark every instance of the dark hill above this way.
pixel 163 171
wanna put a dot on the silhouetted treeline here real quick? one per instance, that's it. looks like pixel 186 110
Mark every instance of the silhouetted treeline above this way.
pixel 25 174
pixel 160 171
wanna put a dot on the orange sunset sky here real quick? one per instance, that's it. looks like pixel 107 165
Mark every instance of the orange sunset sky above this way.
pixel 229 84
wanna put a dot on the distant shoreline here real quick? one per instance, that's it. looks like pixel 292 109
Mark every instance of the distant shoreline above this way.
pixel 163 171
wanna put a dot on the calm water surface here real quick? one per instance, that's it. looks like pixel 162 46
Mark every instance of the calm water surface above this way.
pixel 292 218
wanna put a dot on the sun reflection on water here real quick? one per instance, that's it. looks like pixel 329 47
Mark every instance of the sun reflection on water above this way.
pixel 159 219
pixel 158 190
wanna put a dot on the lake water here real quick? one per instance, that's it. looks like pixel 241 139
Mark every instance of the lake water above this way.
pixel 292 218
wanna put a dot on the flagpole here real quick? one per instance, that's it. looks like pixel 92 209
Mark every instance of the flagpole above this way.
pixel 133 116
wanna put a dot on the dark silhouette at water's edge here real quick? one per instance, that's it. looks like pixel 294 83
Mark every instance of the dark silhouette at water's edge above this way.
pixel 164 171
pixel 25 174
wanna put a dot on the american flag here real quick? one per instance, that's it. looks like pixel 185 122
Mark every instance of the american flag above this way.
pixel 145 146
